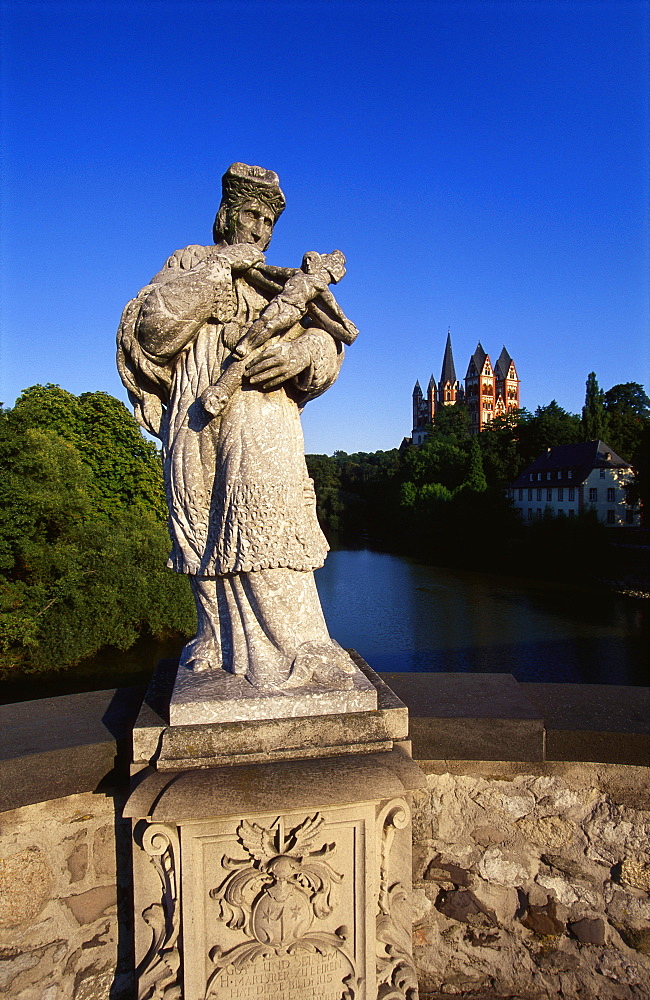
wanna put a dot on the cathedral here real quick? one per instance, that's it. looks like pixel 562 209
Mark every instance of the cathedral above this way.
pixel 488 391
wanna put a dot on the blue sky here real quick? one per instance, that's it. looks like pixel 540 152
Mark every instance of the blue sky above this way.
pixel 483 166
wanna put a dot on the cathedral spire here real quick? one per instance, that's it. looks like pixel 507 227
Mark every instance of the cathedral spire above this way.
pixel 448 369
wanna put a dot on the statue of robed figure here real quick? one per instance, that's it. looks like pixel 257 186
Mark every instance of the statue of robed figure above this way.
pixel 219 353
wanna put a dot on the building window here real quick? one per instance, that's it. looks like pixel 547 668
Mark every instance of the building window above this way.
pixel 549 495
pixel 611 495
pixel 611 517
pixel 593 495
pixel 560 493
pixel 569 474
pixel 572 513
pixel 602 473
pixel 539 477
pixel 539 494
pixel 530 494
pixel 539 513
pixel 572 493
pixel 629 516
pixel 531 477
pixel 530 514
pixel 560 512
pixel 548 475
pixel 521 494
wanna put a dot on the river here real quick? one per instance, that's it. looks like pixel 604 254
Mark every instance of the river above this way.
pixel 400 615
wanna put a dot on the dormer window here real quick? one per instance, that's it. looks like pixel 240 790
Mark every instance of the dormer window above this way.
pixel 569 474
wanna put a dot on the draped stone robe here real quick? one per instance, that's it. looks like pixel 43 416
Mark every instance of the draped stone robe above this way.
pixel 242 508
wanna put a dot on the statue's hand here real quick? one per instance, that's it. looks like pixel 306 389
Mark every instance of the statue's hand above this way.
pixel 277 364
pixel 240 256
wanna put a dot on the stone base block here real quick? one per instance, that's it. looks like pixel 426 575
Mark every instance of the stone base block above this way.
pixel 217 696
pixel 285 881
pixel 172 747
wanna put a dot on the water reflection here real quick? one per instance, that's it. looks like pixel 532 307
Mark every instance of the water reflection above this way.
pixel 403 616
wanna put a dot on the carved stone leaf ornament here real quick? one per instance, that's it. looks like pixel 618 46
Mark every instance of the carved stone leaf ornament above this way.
pixel 396 974
pixel 158 975
pixel 276 894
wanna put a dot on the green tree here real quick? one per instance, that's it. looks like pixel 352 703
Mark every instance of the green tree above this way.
pixel 628 413
pixel 326 473
pixel 594 416
pixel 438 460
pixel 628 397
pixel 126 467
pixel 550 426
pixel 82 556
pixel 475 479
pixel 500 448
pixel 452 422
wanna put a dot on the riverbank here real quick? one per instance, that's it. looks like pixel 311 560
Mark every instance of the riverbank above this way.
pixel 596 558
pixel 403 614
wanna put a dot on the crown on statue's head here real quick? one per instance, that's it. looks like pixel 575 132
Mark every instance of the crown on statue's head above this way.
pixel 242 181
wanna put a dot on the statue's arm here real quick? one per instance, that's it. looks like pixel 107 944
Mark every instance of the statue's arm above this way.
pixel 325 359
pixel 194 286
pixel 308 365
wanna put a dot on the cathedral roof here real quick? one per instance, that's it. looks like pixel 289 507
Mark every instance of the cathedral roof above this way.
pixel 503 364
pixel 448 369
pixel 476 361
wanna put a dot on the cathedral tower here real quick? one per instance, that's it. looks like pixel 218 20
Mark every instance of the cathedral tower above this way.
pixel 489 391
pixel 507 384
pixel 449 389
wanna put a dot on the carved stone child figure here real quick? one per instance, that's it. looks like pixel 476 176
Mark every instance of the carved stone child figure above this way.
pixel 283 313
pixel 241 505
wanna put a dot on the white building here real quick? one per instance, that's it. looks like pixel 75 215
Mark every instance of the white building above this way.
pixel 572 478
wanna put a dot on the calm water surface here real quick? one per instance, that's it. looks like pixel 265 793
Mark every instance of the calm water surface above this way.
pixel 400 615
pixel 403 616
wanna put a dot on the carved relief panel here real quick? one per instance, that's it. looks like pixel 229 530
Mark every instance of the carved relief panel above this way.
pixel 280 907
pixel 311 904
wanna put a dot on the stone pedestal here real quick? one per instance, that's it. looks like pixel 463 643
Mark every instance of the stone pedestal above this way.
pixel 274 862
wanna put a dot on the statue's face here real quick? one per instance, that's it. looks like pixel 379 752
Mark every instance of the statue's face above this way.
pixel 252 223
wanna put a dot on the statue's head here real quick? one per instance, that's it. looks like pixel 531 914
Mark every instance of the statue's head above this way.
pixel 251 203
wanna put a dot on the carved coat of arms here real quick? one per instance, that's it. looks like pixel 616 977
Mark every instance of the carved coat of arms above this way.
pixel 277 895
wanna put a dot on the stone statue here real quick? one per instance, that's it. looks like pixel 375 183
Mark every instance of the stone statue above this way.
pixel 219 353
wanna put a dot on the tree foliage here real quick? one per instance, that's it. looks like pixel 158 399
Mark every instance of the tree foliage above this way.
pixel 83 542
pixel 594 415
pixel 435 499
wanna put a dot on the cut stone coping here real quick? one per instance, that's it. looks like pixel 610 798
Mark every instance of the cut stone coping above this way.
pixel 477 716
pixel 53 747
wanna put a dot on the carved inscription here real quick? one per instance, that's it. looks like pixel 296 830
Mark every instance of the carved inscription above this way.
pixel 291 977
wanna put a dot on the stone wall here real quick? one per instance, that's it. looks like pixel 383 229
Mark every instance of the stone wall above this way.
pixel 533 880
pixel 60 870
